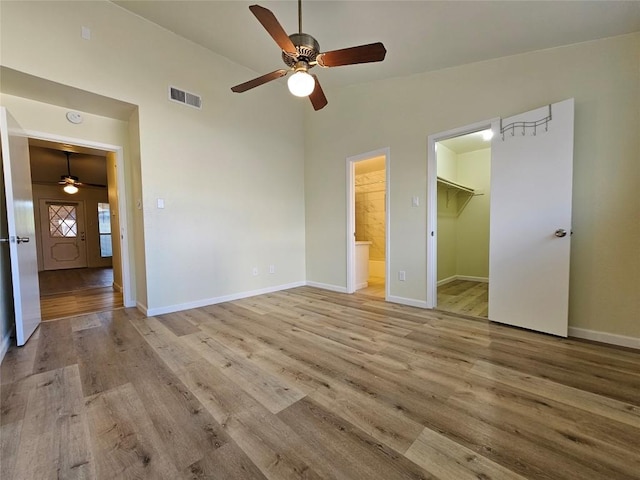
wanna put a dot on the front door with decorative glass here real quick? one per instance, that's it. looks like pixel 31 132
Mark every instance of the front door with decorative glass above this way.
pixel 63 235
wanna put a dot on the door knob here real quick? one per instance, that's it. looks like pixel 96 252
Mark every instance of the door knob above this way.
pixel 20 240
pixel 561 232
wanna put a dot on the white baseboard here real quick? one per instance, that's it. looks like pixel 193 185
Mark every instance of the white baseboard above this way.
pixel 472 279
pixel 4 346
pixel 142 308
pixel 150 312
pixel 469 278
pixel 362 285
pixel 326 286
pixel 407 301
pixel 444 281
pixel 604 337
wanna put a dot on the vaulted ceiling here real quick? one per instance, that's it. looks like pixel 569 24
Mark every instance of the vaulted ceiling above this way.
pixel 419 35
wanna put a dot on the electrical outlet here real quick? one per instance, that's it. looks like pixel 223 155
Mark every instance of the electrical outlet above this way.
pixel 255 271
pixel 402 275
pixel 272 269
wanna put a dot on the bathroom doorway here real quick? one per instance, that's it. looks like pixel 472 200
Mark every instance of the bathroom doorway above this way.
pixel 368 240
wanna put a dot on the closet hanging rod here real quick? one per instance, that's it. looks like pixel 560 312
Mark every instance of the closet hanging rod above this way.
pixel 449 183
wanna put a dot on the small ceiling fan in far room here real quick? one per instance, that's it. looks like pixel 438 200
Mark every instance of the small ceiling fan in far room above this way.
pixel 71 183
pixel 301 52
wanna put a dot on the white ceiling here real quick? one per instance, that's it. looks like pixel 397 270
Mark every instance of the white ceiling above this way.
pixel 419 36
pixel 467 143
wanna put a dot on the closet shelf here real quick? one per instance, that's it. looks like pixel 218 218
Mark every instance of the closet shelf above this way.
pixel 455 190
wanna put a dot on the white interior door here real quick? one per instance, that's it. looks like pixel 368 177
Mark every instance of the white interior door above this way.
pixel 62 234
pixel 21 227
pixel 531 180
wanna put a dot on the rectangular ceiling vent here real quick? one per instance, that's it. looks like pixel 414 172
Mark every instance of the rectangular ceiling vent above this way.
pixel 186 98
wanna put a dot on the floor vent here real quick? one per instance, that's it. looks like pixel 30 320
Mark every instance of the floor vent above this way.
pixel 186 98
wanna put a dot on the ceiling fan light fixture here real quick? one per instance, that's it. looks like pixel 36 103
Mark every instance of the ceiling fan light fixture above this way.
pixel 300 52
pixel 70 189
pixel 301 84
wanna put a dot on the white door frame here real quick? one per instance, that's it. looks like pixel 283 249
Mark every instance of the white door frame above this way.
pixel 127 287
pixel 432 199
pixel 351 216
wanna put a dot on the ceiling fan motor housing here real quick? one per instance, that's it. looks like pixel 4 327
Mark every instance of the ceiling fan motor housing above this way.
pixel 68 179
pixel 307 47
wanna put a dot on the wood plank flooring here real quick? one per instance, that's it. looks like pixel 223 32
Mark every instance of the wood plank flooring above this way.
pixel 73 279
pixel 464 297
pixel 77 291
pixel 375 288
pixel 69 304
pixel 311 384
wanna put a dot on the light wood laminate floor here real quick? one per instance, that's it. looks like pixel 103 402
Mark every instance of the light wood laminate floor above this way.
pixel 65 293
pixel 53 282
pixel 80 302
pixel 312 384
pixel 464 297
pixel 375 287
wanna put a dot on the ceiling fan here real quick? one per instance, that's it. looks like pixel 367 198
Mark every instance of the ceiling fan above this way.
pixel 71 183
pixel 301 52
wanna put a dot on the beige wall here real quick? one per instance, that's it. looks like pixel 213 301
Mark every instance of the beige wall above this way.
pixel 604 78
pixel 463 226
pixel 447 161
pixel 472 242
pixel 447 238
pixel 231 174
pixel 114 210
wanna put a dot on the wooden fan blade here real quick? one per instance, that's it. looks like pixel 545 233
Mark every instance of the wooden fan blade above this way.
pixel 318 100
pixel 373 52
pixel 273 27
pixel 256 82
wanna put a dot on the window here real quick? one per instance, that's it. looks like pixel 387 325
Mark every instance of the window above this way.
pixel 63 221
pixel 104 229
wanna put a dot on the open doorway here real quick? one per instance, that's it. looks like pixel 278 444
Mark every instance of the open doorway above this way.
pixel 74 223
pixel 463 167
pixel 368 240
pixel 458 222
